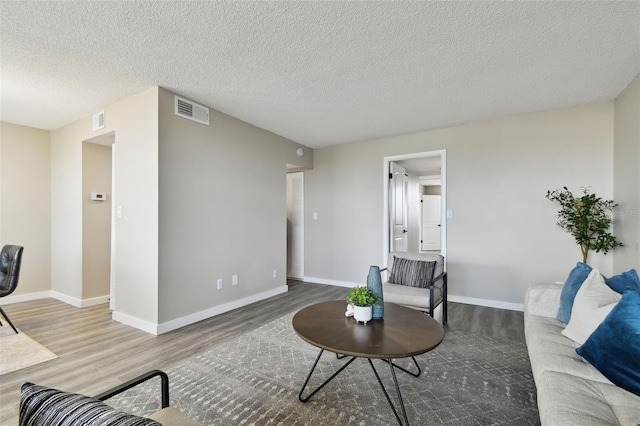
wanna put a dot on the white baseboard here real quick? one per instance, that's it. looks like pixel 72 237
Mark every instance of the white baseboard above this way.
pixel 143 325
pixel 79 303
pixel 486 302
pixel 25 297
pixel 314 280
pixel 84 303
pixel 73 301
pixel 217 310
pixel 165 327
pixel 458 299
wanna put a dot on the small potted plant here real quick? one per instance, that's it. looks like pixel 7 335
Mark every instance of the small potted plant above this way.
pixel 362 299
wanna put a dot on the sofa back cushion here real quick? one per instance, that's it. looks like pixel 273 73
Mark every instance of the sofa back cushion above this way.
pixel 614 348
pixel 412 273
pixel 623 281
pixel 570 288
pixel 427 257
pixel 40 405
pixel 592 304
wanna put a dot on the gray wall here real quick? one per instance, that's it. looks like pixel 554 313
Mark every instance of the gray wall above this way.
pixel 222 210
pixel 626 176
pixel 503 233
pixel 25 203
pixel 96 220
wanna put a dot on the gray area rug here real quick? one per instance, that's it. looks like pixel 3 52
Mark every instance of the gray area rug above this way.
pixel 254 379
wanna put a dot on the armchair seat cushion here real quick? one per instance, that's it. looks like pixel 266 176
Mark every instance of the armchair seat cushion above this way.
pixel 172 416
pixel 412 297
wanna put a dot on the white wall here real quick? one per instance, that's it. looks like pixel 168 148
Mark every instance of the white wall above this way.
pixel 222 211
pixel 626 176
pixel 25 203
pixel 135 122
pixel 503 233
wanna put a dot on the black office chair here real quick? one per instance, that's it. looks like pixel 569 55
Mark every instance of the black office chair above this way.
pixel 10 260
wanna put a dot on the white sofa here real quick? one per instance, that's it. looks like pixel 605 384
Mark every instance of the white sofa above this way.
pixel 570 390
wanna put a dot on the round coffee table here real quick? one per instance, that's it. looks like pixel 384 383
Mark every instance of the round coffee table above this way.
pixel 403 333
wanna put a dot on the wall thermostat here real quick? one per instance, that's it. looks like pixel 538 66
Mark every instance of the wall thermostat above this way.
pixel 98 196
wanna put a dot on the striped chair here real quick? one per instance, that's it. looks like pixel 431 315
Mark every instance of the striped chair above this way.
pixel 416 280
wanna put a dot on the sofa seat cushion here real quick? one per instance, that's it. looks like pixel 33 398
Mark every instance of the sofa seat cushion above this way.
pixel 551 351
pixel 414 297
pixel 172 417
pixel 566 400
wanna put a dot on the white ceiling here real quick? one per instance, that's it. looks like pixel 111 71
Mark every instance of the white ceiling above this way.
pixel 423 166
pixel 317 72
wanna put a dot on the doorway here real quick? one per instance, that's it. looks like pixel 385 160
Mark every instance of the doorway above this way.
pixel 98 230
pixel 295 225
pixel 426 175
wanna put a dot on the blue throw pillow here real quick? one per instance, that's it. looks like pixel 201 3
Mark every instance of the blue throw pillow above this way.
pixel 571 286
pixel 623 281
pixel 614 347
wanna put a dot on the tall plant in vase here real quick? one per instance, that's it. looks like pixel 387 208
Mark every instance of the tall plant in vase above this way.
pixel 587 218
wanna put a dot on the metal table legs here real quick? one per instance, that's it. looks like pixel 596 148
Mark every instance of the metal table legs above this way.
pixel 392 368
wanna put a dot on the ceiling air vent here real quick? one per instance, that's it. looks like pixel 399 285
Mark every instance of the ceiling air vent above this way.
pixel 98 121
pixel 192 111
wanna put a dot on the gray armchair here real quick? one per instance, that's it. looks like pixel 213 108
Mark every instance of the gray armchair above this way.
pixel 416 280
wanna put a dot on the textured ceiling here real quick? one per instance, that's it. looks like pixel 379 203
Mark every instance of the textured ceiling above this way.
pixel 319 73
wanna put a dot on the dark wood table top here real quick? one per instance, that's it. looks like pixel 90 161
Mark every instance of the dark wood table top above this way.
pixel 403 332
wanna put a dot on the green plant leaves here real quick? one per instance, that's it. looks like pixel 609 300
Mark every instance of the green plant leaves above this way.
pixel 587 218
pixel 362 296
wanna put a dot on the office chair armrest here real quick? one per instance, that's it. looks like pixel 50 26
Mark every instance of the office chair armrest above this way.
pixel 164 383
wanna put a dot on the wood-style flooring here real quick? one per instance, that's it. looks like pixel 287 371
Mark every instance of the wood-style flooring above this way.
pixel 97 353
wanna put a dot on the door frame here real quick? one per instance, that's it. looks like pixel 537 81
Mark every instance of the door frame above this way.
pixel 442 153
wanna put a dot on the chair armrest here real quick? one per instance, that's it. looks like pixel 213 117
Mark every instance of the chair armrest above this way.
pixel 164 379
pixel 436 279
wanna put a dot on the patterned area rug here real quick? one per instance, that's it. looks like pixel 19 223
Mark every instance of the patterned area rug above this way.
pixel 17 350
pixel 254 379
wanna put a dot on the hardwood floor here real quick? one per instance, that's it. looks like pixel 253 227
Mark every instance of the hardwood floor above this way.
pixel 97 353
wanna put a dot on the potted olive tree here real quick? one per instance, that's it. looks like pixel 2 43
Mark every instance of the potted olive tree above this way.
pixel 587 218
pixel 362 299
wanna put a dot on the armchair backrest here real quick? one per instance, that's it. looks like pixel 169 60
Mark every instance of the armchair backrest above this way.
pixel 429 257
pixel 10 261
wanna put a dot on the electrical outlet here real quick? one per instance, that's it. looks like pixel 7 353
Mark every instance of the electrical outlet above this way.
pixel 234 280
pixel 220 284
pixel 275 273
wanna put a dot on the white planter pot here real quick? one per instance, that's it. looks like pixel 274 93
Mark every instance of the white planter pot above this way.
pixel 363 313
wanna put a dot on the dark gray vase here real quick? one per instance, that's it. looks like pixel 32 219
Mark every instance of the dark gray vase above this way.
pixel 374 282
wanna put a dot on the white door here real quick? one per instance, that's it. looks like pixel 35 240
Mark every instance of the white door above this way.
pixel 431 222
pixel 398 207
